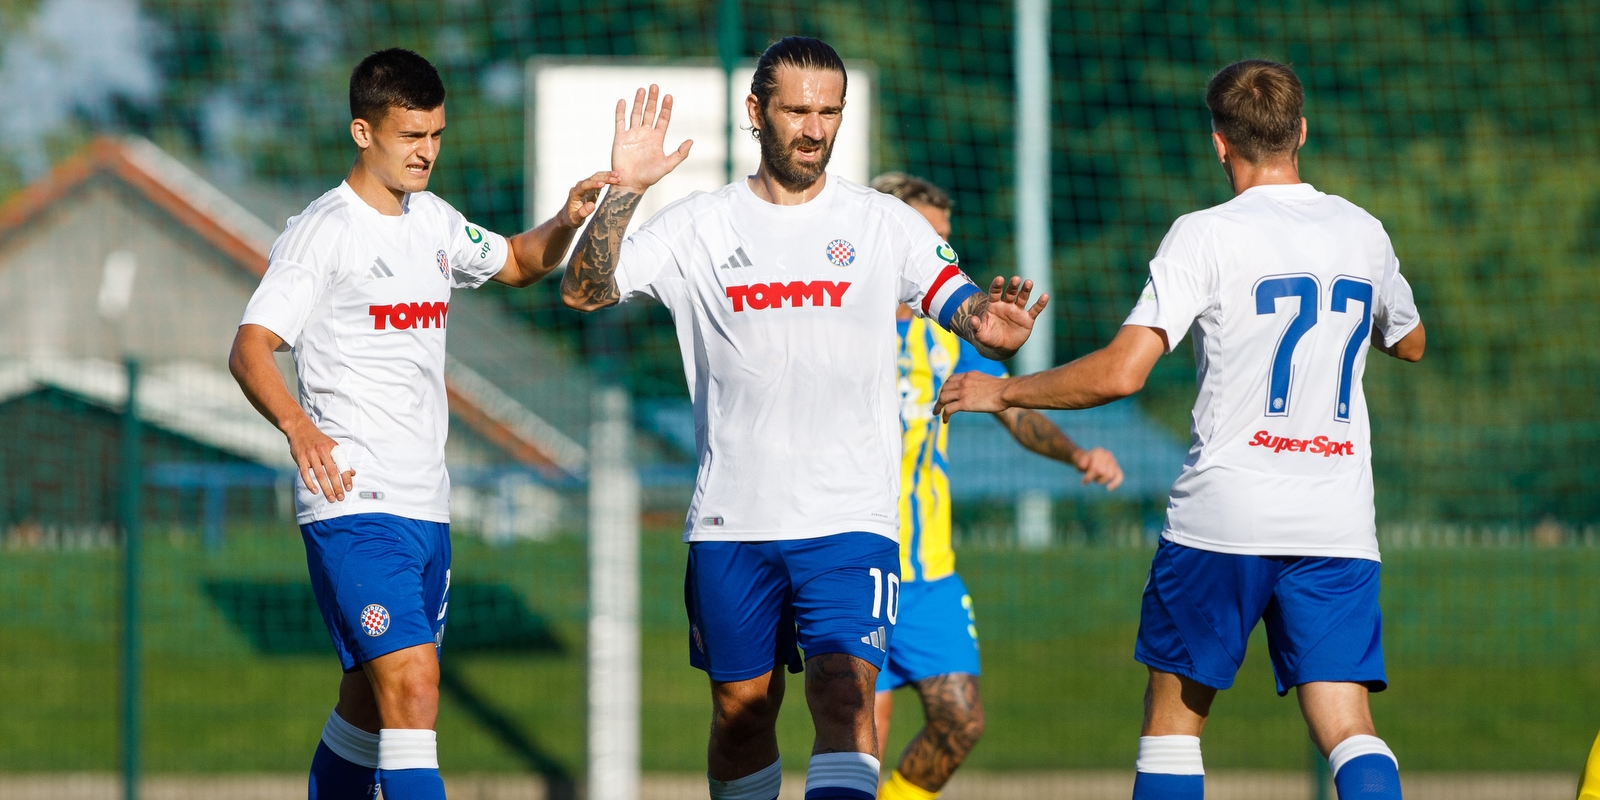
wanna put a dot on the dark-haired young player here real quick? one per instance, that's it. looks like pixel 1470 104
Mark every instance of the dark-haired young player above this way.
pixel 935 647
pixel 358 286
pixel 1283 288
pixel 783 288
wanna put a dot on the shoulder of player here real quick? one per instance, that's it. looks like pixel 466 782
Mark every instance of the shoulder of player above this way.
pixel 322 222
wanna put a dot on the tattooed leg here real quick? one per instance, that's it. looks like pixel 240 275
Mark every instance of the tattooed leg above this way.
pixel 839 691
pixel 954 713
pixel 591 279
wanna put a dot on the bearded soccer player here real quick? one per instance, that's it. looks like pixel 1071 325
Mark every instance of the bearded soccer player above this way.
pixel 936 637
pixel 783 288
pixel 358 286
pixel 1284 289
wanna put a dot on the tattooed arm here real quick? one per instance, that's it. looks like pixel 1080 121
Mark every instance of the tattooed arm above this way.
pixel 999 322
pixel 1036 432
pixel 591 279
pixel 638 160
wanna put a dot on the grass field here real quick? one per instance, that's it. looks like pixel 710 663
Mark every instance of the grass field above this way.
pixel 1489 659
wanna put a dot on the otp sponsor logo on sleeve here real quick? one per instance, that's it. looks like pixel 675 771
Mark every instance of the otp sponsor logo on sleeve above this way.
pixel 1321 445
pixel 405 316
pixel 374 620
pixel 760 296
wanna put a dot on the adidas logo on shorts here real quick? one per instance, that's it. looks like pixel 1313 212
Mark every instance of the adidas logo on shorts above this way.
pixel 878 638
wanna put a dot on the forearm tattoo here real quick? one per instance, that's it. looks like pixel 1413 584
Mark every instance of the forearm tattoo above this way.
pixel 1036 432
pixel 972 309
pixel 592 274
pixel 954 713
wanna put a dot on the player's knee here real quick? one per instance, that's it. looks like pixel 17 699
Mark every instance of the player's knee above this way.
pixel 741 715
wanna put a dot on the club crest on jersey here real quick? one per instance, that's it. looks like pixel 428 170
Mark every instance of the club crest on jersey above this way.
pixel 841 253
pixel 374 620
pixel 444 264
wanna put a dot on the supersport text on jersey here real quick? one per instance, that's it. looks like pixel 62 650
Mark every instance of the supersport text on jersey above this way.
pixel 1282 287
pixel 363 300
pixel 785 318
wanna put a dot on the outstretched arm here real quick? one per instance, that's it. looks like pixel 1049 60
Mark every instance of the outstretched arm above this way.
pixel 998 323
pixel 1111 373
pixel 1036 432
pixel 638 161
pixel 536 252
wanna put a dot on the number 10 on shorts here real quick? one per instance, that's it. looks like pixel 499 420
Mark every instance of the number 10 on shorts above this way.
pixel 890 604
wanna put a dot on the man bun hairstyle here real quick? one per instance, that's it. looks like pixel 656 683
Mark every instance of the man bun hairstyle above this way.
pixel 393 78
pixel 802 52
pixel 1256 105
pixel 911 189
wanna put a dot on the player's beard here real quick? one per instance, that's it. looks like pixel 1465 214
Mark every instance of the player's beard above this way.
pixel 788 171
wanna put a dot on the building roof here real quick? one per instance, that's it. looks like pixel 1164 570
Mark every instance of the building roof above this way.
pixel 244 240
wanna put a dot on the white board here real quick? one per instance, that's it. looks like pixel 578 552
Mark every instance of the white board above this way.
pixel 571 113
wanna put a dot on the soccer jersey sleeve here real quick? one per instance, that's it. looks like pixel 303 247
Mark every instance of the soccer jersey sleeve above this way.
pixel 644 265
pixel 970 360
pixel 931 280
pixel 1396 314
pixel 299 272
pixel 476 254
pixel 1181 286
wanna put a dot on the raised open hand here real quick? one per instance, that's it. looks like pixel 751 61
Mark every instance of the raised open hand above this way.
pixel 638 150
pixel 1001 321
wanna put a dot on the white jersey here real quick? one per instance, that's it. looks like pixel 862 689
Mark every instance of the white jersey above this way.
pixel 364 301
pixel 1283 287
pixel 786 319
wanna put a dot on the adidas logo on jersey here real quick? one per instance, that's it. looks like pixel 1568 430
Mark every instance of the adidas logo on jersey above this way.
pixel 405 316
pixel 761 296
pixel 380 269
pixel 736 261
pixel 1321 445
pixel 878 638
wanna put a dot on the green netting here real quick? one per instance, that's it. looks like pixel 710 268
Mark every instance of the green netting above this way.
pixel 1472 129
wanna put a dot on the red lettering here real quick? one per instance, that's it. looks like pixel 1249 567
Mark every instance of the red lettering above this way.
pixel 835 292
pixel 1261 439
pixel 403 316
pixel 797 292
pixel 773 295
pixel 380 317
pixel 431 314
pixel 737 295
pixel 1320 445
pixel 762 296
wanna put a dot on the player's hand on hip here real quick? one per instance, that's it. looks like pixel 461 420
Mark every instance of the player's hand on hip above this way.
pixel 1099 466
pixel 313 452
pixel 970 391
pixel 1007 322
pixel 638 150
pixel 583 197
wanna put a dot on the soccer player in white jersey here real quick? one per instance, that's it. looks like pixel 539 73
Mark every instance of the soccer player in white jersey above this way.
pixel 358 286
pixel 1283 288
pixel 783 288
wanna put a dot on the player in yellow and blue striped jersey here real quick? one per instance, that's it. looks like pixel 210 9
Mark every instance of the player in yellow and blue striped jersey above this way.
pixel 935 645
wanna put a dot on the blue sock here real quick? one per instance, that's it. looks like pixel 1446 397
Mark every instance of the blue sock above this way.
pixel 1156 786
pixel 1169 768
pixel 1364 768
pixel 346 764
pixel 408 764
pixel 333 778
pixel 1373 776
pixel 412 784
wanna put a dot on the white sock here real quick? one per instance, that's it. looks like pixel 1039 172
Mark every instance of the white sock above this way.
pixel 349 742
pixel 1355 747
pixel 408 748
pixel 762 785
pixel 857 771
pixel 1170 755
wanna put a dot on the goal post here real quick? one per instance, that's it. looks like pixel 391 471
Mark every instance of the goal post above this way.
pixel 613 772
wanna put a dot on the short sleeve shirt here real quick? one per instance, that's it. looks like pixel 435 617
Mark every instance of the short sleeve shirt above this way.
pixel 1282 288
pixel 363 300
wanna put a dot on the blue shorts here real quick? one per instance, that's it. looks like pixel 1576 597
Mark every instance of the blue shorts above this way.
pixel 381 581
pixel 751 603
pixel 1322 617
pixel 936 633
